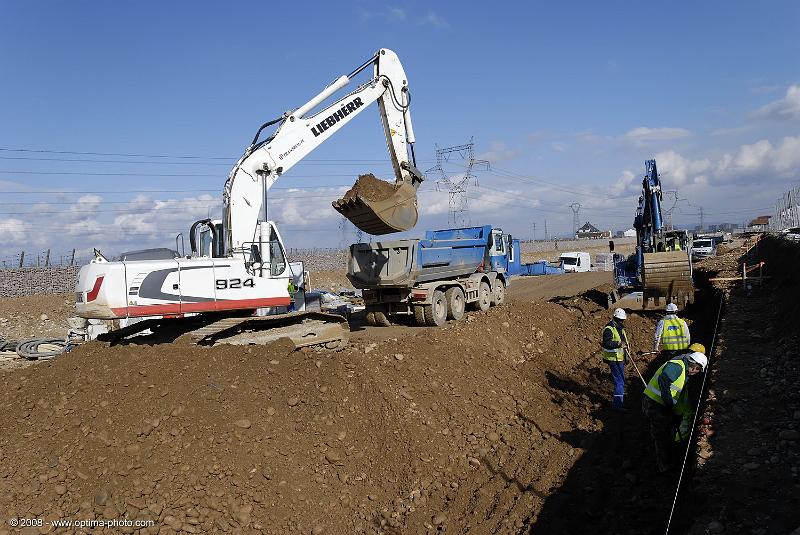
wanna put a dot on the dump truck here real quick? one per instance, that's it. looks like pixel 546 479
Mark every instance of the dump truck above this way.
pixel 435 278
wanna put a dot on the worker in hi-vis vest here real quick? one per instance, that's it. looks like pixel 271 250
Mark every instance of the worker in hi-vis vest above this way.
pixel 666 402
pixel 615 354
pixel 672 334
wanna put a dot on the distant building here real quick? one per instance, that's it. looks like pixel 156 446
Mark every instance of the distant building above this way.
pixel 630 233
pixel 590 232
pixel 759 224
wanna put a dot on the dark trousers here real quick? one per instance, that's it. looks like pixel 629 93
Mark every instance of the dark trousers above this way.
pixel 660 418
pixel 618 377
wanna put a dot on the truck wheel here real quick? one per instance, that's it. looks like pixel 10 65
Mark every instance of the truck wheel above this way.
pixel 436 312
pixel 381 319
pixel 419 315
pixel 498 293
pixel 484 297
pixel 455 303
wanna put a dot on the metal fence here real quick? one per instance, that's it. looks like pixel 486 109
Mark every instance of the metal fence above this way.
pixel 787 211
pixel 20 259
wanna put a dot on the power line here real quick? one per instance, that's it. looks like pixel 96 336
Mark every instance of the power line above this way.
pixel 217 190
pixel 317 162
pixel 228 160
pixel 172 156
pixel 186 175
pixel 150 191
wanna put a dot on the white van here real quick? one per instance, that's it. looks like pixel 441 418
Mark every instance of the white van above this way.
pixel 576 262
pixel 703 248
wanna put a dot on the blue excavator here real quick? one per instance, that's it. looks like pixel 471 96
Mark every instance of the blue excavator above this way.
pixel 660 269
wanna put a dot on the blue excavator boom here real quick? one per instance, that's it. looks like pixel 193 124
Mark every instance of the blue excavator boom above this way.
pixel 660 270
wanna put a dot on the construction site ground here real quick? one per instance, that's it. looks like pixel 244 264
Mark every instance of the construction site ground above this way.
pixel 499 423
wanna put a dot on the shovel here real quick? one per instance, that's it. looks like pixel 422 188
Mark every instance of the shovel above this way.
pixel 628 354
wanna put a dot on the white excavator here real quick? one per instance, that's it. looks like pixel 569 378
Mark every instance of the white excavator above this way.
pixel 235 285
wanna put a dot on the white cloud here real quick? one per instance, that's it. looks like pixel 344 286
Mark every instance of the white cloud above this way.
pixel 395 13
pixel 8 185
pixel 680 171
pixel 764 89
pixel 729 131
pixel 433 202
pixel 628 183
pixel 498 152
pixel 306 208
pixel 435 20
pixel 15 232
pixel 390 14
pixel 755 163
pixel 786 108
pixel 644 134
pixel 761 159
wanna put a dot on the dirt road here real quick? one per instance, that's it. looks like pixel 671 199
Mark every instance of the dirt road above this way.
pixel 521 289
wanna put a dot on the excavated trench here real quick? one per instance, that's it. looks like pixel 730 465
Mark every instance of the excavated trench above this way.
pixel 615 487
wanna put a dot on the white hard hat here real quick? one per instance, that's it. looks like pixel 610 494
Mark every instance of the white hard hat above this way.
pixel 620 314
pixel 672 307
pixel 699 359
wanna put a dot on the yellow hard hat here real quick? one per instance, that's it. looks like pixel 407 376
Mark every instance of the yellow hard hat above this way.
pixel 700 348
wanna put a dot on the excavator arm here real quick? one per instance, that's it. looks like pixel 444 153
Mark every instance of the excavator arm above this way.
pixel 298 133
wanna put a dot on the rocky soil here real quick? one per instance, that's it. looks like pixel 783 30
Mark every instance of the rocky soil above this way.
pixel 35 316
pixel 495 424
pixel 463 429
pixel 371 188
pixel 747 480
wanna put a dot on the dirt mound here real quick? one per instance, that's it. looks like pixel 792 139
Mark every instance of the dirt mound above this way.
pixel 466 428
pixel 35 316
pixel 370 188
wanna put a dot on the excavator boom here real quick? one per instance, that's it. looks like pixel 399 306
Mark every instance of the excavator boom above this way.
pixel 298 133
pixel 660 271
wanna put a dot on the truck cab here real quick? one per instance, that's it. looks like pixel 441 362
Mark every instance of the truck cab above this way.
pixel 576 262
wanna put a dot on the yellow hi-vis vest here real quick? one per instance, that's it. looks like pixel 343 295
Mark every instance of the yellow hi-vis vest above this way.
pixel 673 334
pixel 653 391
pixel 618 354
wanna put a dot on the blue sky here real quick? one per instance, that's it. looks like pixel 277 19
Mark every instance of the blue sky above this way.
pixel 566 100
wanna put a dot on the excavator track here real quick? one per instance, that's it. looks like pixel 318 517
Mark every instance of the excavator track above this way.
pixel 304 329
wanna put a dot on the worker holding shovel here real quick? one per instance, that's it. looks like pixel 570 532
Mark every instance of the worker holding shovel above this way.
pixel 615 353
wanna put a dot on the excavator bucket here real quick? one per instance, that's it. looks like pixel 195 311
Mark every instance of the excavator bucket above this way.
pixel 668 276
pixel 378 207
